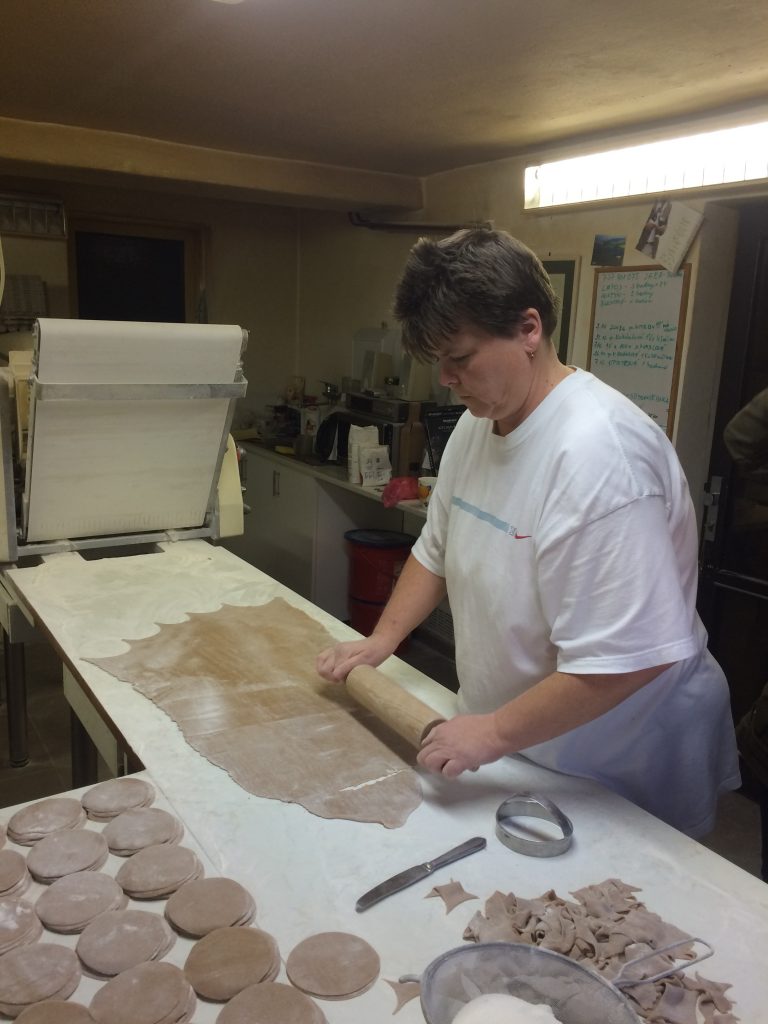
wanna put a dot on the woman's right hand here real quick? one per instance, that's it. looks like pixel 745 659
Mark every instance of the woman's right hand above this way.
pixel 337 662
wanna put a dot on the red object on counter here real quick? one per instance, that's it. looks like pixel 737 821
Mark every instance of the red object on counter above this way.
pixel 400 488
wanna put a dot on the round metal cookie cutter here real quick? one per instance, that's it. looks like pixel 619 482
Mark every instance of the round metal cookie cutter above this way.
pixel 530 806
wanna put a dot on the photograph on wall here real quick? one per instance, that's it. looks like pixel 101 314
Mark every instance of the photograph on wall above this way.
pixel 608 250
pixel 563 272
pixel 654 228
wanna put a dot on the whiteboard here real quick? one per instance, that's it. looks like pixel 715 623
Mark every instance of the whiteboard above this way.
pixel 638 320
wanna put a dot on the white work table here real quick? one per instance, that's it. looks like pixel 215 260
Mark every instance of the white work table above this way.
pixel 306 872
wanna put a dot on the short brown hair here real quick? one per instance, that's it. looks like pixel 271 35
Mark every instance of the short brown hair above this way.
pixel 474 278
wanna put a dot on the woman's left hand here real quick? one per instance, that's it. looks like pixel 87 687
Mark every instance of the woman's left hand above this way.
pixel 461 744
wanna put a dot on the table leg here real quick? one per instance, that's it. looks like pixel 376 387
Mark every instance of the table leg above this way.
pixel 16 696
pixel 84 754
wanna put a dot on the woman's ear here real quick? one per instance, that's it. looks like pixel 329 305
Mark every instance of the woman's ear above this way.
pixel 531 330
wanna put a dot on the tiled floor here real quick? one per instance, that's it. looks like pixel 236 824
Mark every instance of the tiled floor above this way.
pixel 736 836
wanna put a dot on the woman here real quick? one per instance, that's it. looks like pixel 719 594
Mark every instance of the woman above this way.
pixel 562 529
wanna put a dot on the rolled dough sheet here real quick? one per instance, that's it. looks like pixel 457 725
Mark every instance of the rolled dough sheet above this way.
pixel 242 687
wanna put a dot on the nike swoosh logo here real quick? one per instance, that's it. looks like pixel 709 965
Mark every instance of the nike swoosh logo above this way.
pixel 522 536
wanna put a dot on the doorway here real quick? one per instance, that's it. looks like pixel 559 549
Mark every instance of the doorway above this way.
pixel 733 580
pixel 133 271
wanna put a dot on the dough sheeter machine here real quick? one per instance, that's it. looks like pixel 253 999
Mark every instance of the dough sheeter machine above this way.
pixel 112 435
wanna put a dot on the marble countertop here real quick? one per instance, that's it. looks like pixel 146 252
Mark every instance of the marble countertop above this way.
pixel 306 872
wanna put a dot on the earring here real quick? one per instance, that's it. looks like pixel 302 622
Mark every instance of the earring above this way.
pixel 530 355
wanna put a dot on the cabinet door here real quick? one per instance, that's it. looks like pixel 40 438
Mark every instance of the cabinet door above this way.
pixel 279 529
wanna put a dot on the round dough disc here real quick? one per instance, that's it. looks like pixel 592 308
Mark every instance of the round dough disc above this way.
pixel 14 877
pixel 145 826
pixel 114 796
pixel 55 1011
pixel 120 939
pixel 158 870
pixel 36 820
pixel 145 994
pixel 228 960
pixel 75 900
pixel 19 924
pixel 271 1003
pixel 205 904
pixel 44 970
pixel 333 965
pixel 64 853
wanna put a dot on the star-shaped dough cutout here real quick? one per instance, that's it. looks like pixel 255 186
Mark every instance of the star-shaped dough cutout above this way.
pixel 404 991
pixel 452 894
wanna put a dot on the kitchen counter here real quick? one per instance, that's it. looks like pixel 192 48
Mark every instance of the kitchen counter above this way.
pixel 329 473
pixel 306 872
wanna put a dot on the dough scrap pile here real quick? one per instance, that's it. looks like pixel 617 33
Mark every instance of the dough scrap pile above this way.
pixel 108 799
pixel 604 928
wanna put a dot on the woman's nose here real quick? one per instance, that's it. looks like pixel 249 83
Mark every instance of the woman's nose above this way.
pixel 446 377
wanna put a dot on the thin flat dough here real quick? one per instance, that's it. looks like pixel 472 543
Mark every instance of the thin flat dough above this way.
pixel 271 1003
pixel 14 877
pixel 242 687
pixel 121 939
pixel 144 826
pixel 148 994
pixel 19 924
pixel 44 970
pixel 65 852
pixel 230 959
pixel 55 1011
pixel 157 871
pixel 72 902
pixel 333 965
pixel 205 904
pixel 108 799
pixel 29 824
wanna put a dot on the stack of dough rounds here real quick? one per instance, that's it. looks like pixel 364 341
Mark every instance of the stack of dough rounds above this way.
pixel 55 1011
pixel 119 939
pixel 146 826
pixel 333 965
pixel 2 835
pixel 64 853
pixel 54 814
pixel 157 871
pixel 19 924
pixel 14 877
pixel 203 905
pixel 108 799
pixel 228 960
pixel 271 1003
pixel 44 970
pixel 147 994
pixel 75 900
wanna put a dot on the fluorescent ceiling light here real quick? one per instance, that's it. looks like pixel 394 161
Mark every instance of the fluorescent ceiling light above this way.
pixel 728 156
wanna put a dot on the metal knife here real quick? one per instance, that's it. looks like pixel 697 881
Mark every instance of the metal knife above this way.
pixel 415 874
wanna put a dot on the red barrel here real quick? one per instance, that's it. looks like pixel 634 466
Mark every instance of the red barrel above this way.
pixel 376 559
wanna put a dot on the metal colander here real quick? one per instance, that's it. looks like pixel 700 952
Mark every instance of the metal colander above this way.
pixel 576 994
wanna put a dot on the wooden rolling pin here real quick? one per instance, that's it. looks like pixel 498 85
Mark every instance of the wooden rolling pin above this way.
pixel 401 711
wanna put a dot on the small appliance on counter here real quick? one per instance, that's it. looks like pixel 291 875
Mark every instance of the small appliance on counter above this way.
pixel 397 422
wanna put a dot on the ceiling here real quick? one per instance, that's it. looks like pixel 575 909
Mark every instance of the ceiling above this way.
pixel 404 87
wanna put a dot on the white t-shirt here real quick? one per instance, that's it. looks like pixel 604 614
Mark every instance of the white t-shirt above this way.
pixel 571 544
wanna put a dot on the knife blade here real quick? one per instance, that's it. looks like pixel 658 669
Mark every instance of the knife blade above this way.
pixel 417 873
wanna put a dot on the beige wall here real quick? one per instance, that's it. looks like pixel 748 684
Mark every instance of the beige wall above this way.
pixel 250 265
